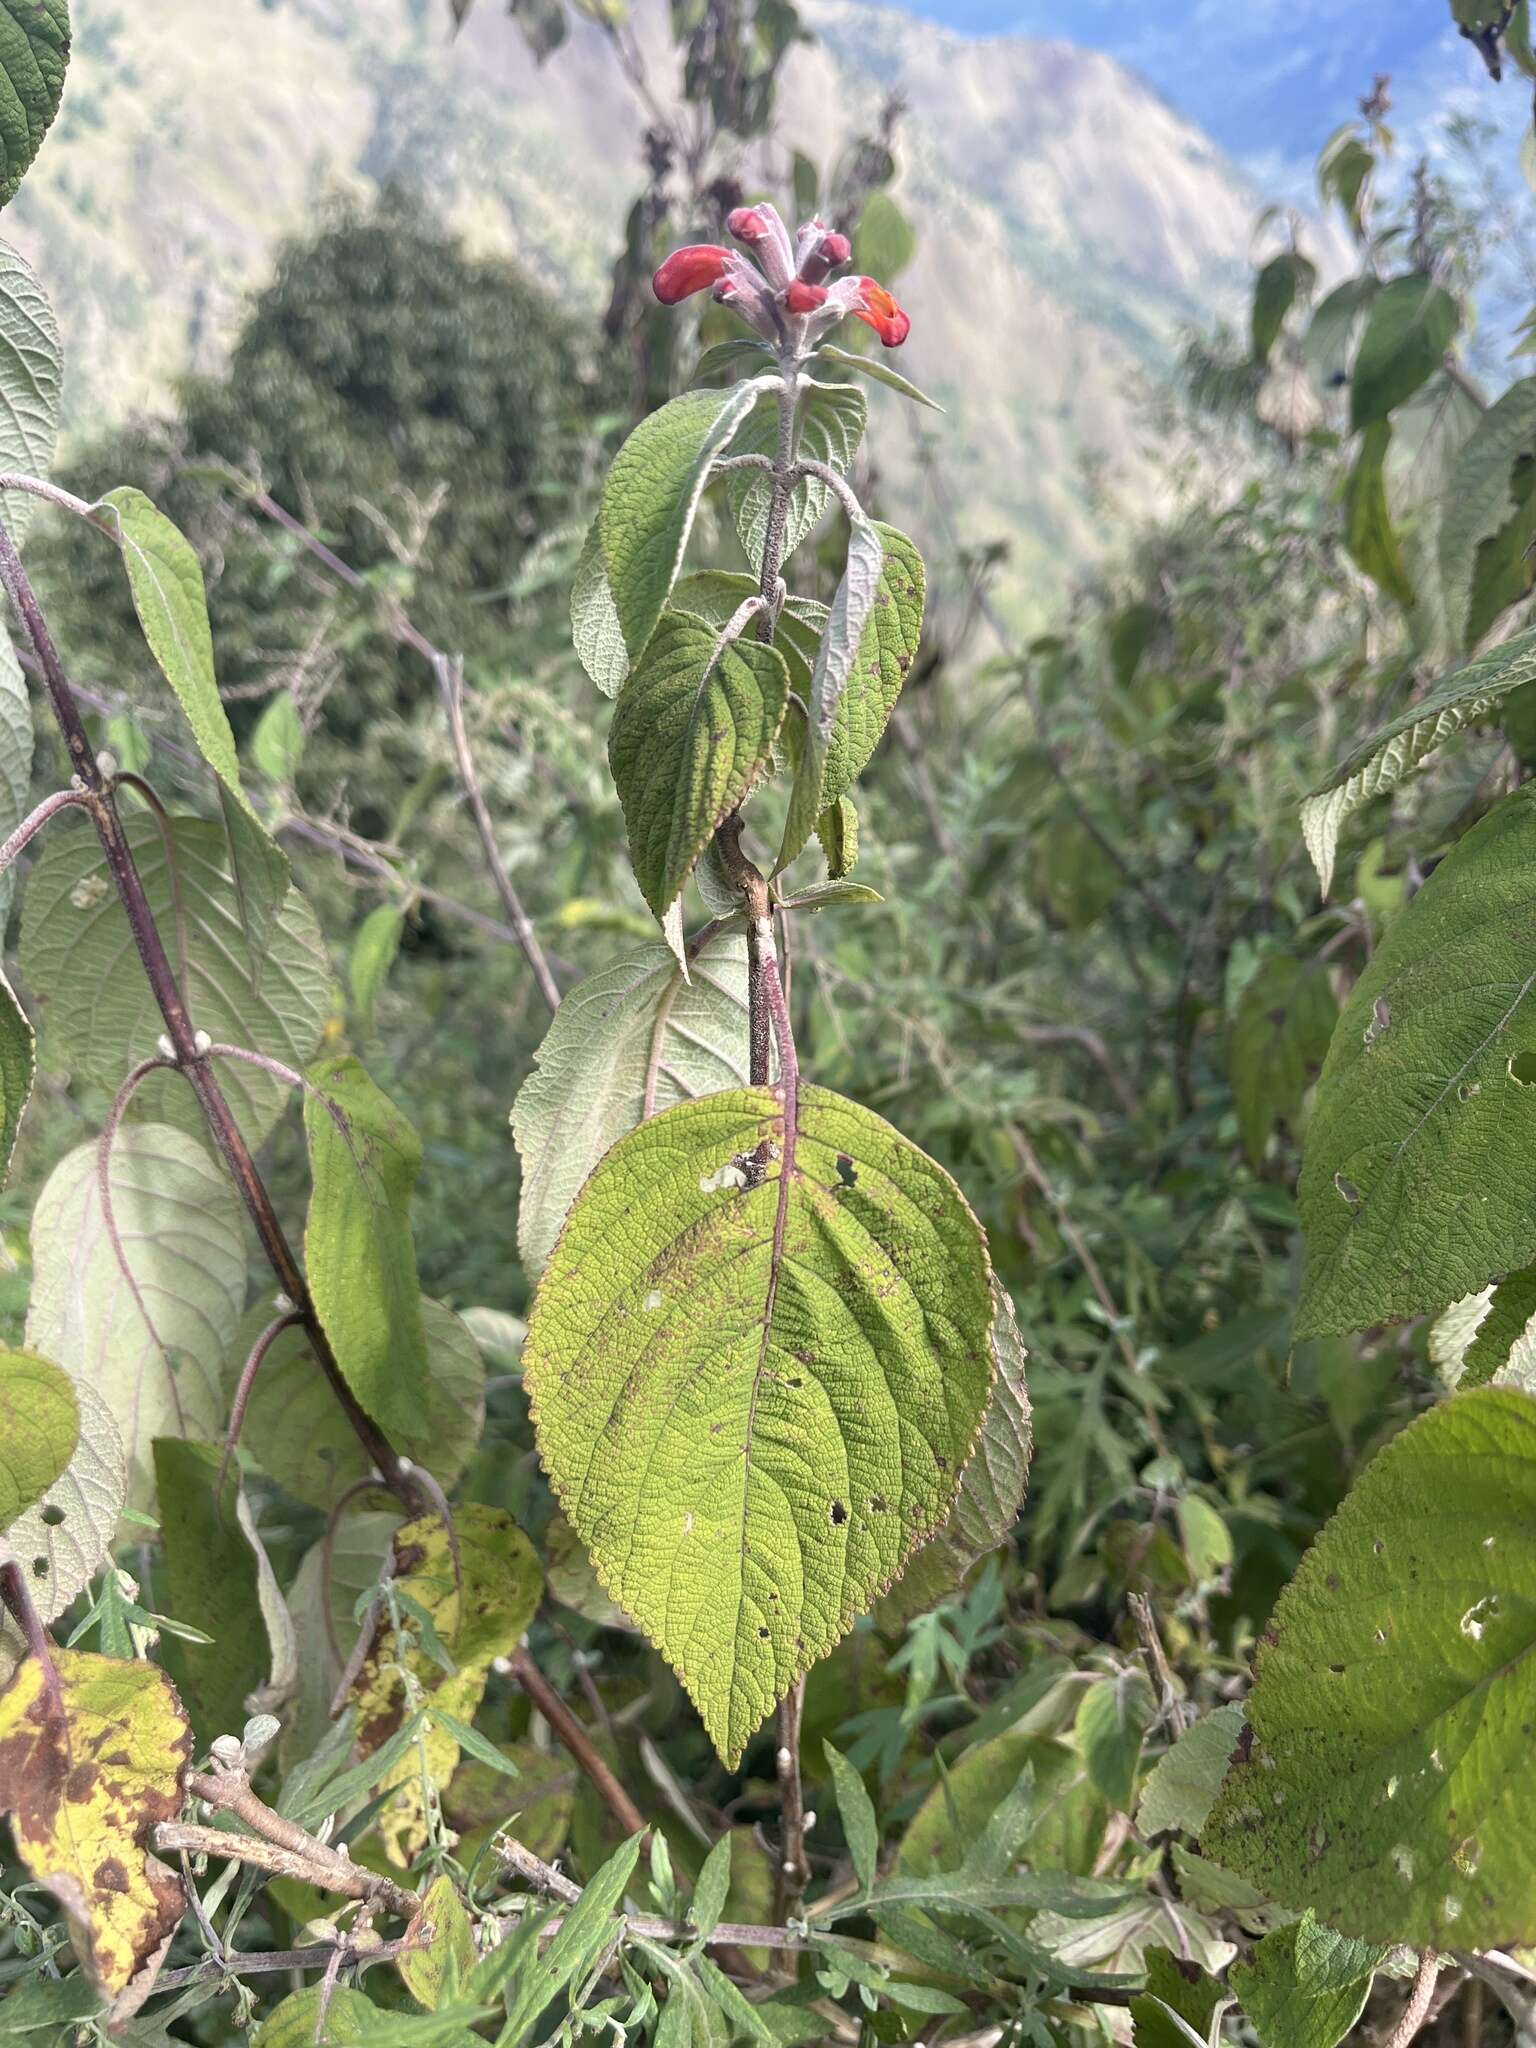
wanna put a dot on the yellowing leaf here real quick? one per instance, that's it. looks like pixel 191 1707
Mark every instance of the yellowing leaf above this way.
pixel 445 1953
pixel 759 1361
pixel 480 1590
pixel 86 1773
pixel 39 1427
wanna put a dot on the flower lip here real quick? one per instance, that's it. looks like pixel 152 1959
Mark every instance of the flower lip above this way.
pixel 689 270
pixel 877 308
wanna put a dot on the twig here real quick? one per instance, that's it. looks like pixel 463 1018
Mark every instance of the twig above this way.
pixel 27 830
pixel 1416 2011
pixel 576 1740
pixel 728 1934
pixel 188 1054
pixel 793 1873
pixel 447 673
pixel 211 1968
pixel 17 1600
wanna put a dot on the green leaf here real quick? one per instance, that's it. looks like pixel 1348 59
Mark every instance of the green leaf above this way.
pixel 830 425
pixel 1111 1721
pixel 838 830
pixel 214 1567
pixel 49 2005
pixel 861 1830
pixel 1411 324
pixel 1482 499
pixel 730 355
pixel 1369 534
pixel 86 1772
pixel 277 744
pixel 18 1066
pixel 1280 1037
pixel 15 752
pixel 1391 1691
pixel 882 373
pixel 1184 1782
pixel 713 1888
pixel 359 1255
pixel 166 580
pixel 1326 347
pixel 297 2021
pixel 152 1349
pixel 1501 1330
pixel 883 242
pixel 650 498
pixel 992 1488
pixel 887 647
pixel 65 1537
pixel 693 732
pixel 434 1970
pixel 39 1428
pixel 100 1016
pixel 1415 1187
pixel 595 630
pixel 1468 696
pixel 295 1429
pixel 34 53
pixel 717 594
pixel 31 374
pixel 811 1300
pixel 1276 289
pixel 372 956
pixel 631 1039
pixel 585 1933
pixel 1178 2005
pixel 1344 168
pixel 1306 1985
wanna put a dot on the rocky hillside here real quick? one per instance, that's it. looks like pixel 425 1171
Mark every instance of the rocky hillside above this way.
pixel 1070 222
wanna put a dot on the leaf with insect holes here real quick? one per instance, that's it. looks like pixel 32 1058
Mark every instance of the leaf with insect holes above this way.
pixel 359 1254
pixel 630 1040
pixel 166 580
pixel 478 1583
pixel 98 1013
pixel 647 512
pixel 85 1773
pixel 1392 1690
pixel 693 731
pixel 62 1540
pixel 295 1429
pixel 830 425
pixel 218 1580
pixel 810 1300
pixel 34 54
pixel 1469 696
pixel 1415 1186
pixel 39 1428
pixel 150 1339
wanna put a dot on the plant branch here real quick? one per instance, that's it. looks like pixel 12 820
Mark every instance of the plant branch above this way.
pixel 448 674
pixel 28 829
pixel 575 1739
pixel 1416 2011
pixel 276 1843
pixel 17 1600
pixel 190 1057
pixel 320 1956
pixel 728 1934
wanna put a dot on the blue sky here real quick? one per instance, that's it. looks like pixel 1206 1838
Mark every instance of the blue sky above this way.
pixel 1268 79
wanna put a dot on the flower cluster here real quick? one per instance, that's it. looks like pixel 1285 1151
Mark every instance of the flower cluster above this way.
pixel 787 283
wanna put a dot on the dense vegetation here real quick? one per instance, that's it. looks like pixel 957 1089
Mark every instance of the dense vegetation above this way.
pixel 964 1471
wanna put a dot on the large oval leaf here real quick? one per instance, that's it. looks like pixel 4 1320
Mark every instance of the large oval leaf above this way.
pixel 1387 1783
pixel 39 1428
pixel 62 1540
pixel 99 1016
pixel 34 53
pixel 1411 324
pixel 1416 1186
pixel 758 1362
pixel 694 730
pixel 31 384
pixel 153 1349
pixel 631 1039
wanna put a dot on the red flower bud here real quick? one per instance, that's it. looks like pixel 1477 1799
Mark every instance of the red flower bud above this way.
pixel 822 249
pixel 877 309
pixel 748 225
pixel 801 297
pixel 689 270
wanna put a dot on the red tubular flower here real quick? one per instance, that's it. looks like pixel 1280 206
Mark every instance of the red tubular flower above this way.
pixel 801 297
pixel 768 239
pixel 877 309
pixel 689 270
pixel 822 250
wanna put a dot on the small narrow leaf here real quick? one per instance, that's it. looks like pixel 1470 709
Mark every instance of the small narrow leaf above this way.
pixel 373 955
pixel 39 1428
pixel 34 53
pixel 585 1934
pixel 630 1040
pixel 882 373
pixel 1468 696
pixel 713 1888
pixel 359 1254
pixel 693 732
pixel 650 498
pixel 1391 1693
pixel 166 580
pixel 786 1448
pixel 1369 534
pixel 277 744
pixel 861 1829
pixel 595 630
pixel 838 830
pixel 85 1774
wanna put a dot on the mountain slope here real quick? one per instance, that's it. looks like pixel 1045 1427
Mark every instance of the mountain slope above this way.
pixel 1069 221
